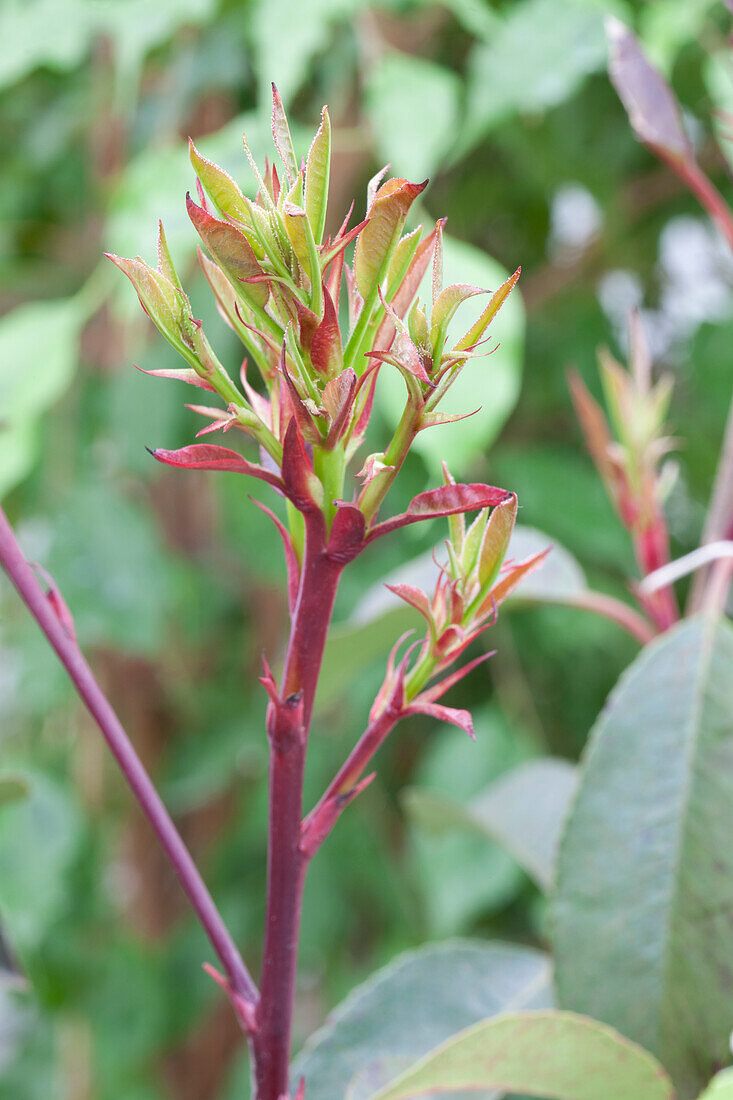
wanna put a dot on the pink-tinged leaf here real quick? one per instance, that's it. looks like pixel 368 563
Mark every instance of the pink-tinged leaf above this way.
pixel 436 691
pixel 224 293
pixel 477 330
pixel 416 598
pixel 308 322
pixel 297 470
pixel 184 375
pixel 368 378
pixel 446 500
pixel 282 138
pixel 220 187
pixel 653 111
pixel 594 426
pixel 326 349
pixel 260 405
pixel 402 299
pixel 495 541
pixel 373 465
pixel 347 534
pixel 232 252
pixel 438 263
pixel 446 305
pixel 306 425
pixel 338 401
pixel 460 718
pixel 380 236
pixel 243 1009
pixel 514 575
pixel 291 560
pixel 355 299
pixel 206 456
pixel 435 419
pixel 317 174
pixel 158 296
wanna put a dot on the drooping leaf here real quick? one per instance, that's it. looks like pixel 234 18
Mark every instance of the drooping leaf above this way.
pixel 643 934
pixel 421 999
pixel 555 1055
pixel 443 501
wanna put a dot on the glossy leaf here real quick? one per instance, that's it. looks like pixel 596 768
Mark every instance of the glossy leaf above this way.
pixel 443 501
pixel 643 934
pixel 555 1055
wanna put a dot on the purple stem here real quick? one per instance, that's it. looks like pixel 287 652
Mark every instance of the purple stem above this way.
pixel 25 581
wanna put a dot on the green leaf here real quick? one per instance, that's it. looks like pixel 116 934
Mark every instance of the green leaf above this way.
pixel 14 787
pixel 539 56
pixel 643 935
pixel 491 382
pixel 317 176
pixel 523 812
pixel 412 106
pixel 39 836
pixel 416 1002
pixel 555 1055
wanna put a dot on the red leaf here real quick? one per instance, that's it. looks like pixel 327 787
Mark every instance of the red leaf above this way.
pixel 297 469
pixel 460 718
pixel 447 500
pixel 347 534
pixel 291 561
pixel 415 597
pixel 231 250
pixel 338 399
pixel 185 374
pixel 325 349
pixel 207 456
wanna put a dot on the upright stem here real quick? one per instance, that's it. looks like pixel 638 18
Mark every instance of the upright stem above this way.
pixel 288 726
pixel 24 579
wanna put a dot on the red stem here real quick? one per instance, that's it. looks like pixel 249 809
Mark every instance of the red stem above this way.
pixel 29 589
pixel 652 552
pixel 288 723
pixel 706 193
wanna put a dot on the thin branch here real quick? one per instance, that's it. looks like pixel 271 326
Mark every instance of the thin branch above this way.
pixel 23 578
pixel 681 567
pixel 617 611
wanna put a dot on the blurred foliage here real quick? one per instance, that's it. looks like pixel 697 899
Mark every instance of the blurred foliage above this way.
pixel 175 579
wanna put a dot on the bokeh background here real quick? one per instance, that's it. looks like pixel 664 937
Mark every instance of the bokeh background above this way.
pixel 175 578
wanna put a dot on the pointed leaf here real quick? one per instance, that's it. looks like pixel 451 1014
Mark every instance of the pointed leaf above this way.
pixel 232 251
pixel 444 501
pixel 380 236
pixel 477 330
pixel 650 104
pixel 495 542
pixel 643 934
pixel 317 174
pixel 220 187
pixel 326 351
pixel 207 456
pixel 347 534
pixel 282 138
pixel 447 303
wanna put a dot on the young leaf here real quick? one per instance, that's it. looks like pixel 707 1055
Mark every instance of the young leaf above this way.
pixel 380 236
pixel 650 104
pixel 443 501
pixel 317 175
pixel 555 1055
pixel 220 187
pixel 206 456
pixel 232 252
pixel 643 935
pixel 282 138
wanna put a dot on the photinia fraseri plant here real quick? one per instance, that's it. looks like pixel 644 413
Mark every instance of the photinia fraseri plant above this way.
pixel 317 331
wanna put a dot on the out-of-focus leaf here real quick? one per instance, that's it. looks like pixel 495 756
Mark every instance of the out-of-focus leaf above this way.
pixel 719 82
pixel 720 1088
pixel 523 812
pixel 669 25
pixel 653 111
pixel 556 1055
pixel 491 382
pixel 537 58
pixel 462 875
pixel 110 565
pixel 59 33
pixel 418 1001
pixel 412 106
pixel 39 836
pixel 38 353
pixel 643 936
